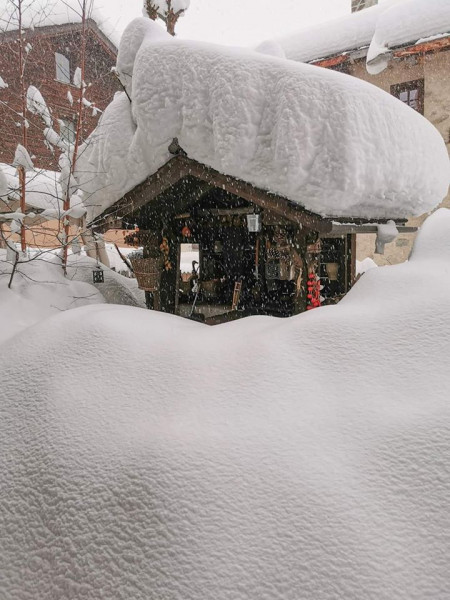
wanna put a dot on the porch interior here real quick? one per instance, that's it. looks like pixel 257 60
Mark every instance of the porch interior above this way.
pixel 250 259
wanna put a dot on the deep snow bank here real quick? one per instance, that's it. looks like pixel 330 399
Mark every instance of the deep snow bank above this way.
pixel 115 289
pixel 278 459
pixel 336 145
pixel 39 290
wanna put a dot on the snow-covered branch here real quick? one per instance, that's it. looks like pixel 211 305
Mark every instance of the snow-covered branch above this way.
pixel 168 11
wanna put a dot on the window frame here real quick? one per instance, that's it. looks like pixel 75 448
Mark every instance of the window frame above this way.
pixel 62 68
pixel 409 86
pixel 67 124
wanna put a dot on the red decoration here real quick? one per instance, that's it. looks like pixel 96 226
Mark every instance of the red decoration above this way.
pixel 313 294
pixel 186 232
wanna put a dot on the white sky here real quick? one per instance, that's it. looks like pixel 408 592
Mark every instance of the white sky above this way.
pixel 236 22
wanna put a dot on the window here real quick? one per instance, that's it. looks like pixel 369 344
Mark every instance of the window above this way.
pixel 411 93
pixel 360 4
pixel 67 130
pixel 62 68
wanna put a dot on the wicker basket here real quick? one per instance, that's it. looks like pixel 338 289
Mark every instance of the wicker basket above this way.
pixel 147 272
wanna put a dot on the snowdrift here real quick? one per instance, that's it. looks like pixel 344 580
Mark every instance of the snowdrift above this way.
pixel 39 290
pixel 334 144
pixel 115 289
pixel 278 459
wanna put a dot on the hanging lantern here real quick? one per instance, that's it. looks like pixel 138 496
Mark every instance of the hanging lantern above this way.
pixel 332 270
pixel 253 223
pixel 98 275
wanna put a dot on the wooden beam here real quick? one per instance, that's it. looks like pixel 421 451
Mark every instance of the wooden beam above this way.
pixel 223 212
pixel 435 45
pixel 181 166
pixel 345 229
pixel 145 192
pixel 266 200
pixel 334 61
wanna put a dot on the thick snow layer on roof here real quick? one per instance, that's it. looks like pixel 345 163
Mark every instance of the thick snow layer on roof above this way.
pixel 384 26
pixel 144 456
pixel 40 13
pixel 336 145
pixel 332 37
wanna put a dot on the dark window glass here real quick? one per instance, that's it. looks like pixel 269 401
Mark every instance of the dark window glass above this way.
pixel 411 93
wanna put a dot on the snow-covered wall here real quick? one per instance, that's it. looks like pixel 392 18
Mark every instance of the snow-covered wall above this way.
pixel 336 145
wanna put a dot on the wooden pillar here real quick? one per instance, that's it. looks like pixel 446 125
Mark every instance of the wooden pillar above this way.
pixel 350 247
pixel 169 276
pixel 150 244
pixel 301 270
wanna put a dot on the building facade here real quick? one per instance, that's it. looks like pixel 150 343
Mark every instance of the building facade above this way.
pixel 52 59
pixel 417 73
pixel 420 77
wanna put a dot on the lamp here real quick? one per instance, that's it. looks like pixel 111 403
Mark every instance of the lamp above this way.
pixel 332 270
pixel 253 223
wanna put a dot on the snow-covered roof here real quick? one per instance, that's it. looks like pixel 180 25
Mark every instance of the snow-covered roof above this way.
pixel 387 25
pixel 148 457
pixel 334 144
pixel 44 13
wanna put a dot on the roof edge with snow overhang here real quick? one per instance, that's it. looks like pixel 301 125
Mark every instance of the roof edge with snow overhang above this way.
pixel 378 33
pixel 334 145
pixel 63 28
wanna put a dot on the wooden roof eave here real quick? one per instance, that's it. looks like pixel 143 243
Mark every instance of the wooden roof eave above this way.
pixel 403 51
pixel 181 166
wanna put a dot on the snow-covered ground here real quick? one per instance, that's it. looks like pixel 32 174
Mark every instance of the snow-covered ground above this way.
pixel 148 457
pixel 39 290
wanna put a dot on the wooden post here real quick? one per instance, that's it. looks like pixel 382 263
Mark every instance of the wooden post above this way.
pixel 21 169
pixel 22 182
pixel 177 284
pixel 169 277
pixel 350 246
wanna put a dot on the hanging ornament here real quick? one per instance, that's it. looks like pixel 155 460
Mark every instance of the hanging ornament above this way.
pixel 165 249
pixel 313 295
pixel 186 232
